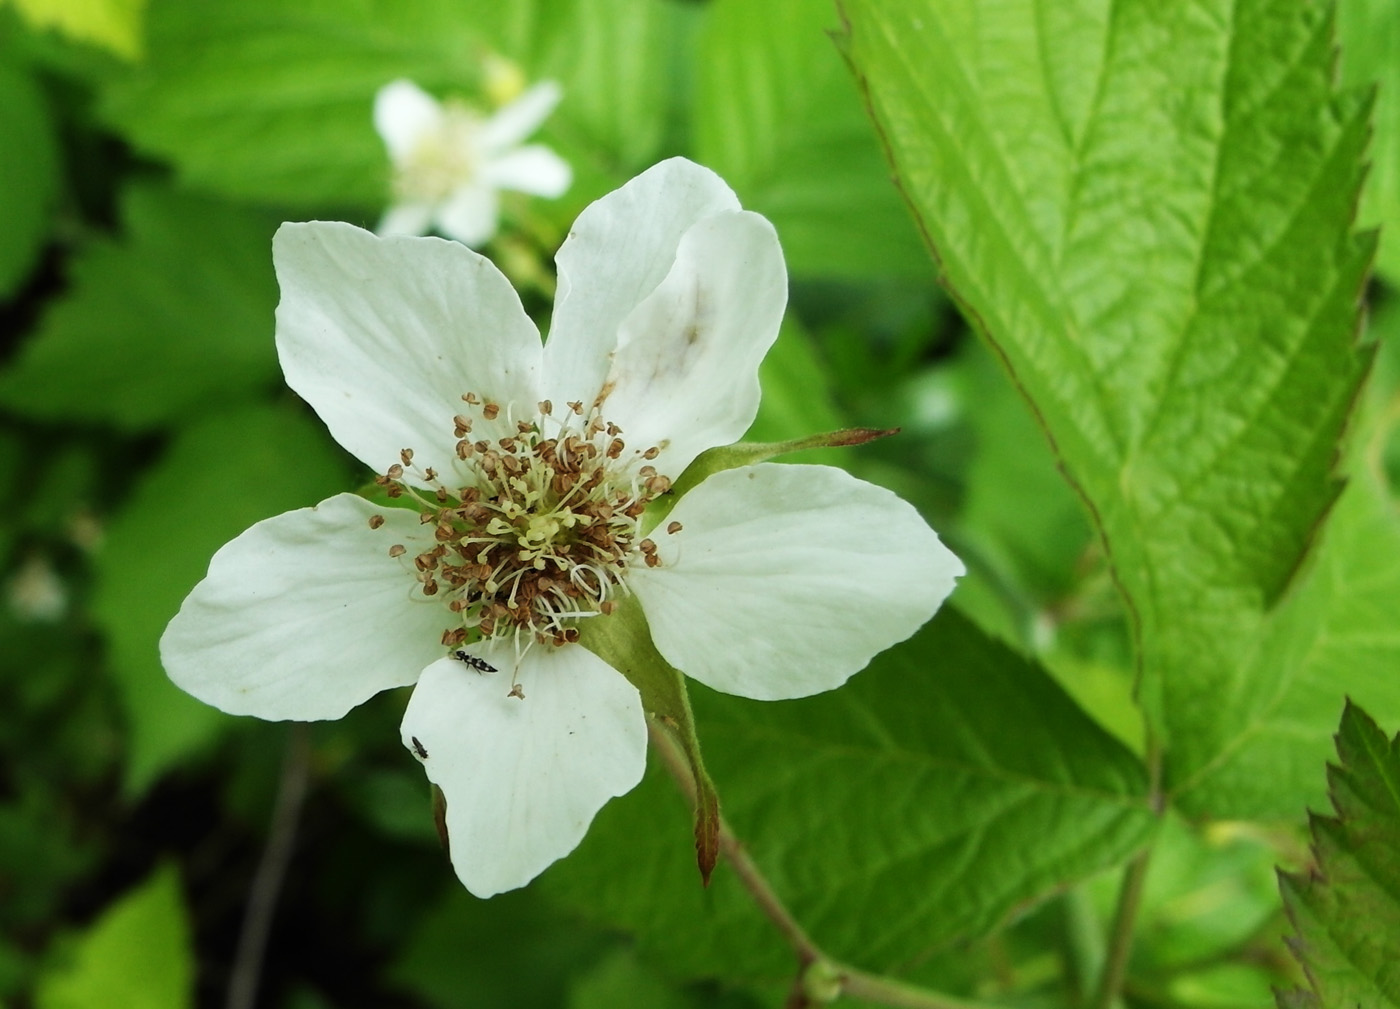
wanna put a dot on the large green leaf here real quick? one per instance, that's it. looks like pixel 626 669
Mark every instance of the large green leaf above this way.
pixel 219 477
pixel 272 99
pixel 941 788
pixel 138 955
pixel 1147 209
pixel 777 116
pixel 1347 910
pixel 173 319
pixel 1369 31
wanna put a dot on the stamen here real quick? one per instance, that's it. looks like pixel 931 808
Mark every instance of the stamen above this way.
pixel 543 532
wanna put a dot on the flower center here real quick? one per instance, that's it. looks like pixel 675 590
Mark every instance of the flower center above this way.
pixel 541 532
pixel 442 159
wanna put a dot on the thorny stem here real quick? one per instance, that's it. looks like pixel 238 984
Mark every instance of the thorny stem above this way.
pixel 272 869
pixel 814 963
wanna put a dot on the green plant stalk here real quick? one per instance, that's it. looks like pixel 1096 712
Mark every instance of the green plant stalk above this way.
pixel 1120 945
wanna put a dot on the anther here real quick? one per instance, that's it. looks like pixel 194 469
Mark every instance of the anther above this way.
pixel 463 425
pixel 608 608
pixel 673 528
pixel 490 411
pixel 395 472
pixel 375 521
pixel 407 456
pixel 546 407
pixel 470 399
pixel 397 550
pixel 651 453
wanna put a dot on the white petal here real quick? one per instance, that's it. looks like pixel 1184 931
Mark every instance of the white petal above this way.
pixel 470 216
pixel 535 169
pixel 523 777
pixel 403 114
pixel 406 219
pixel 516 121
pixel 618 251
pixel 306 615
pixel 685 373
pixel 382 336
pixel 785 580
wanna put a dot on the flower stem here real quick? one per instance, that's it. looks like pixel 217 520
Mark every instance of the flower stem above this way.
pixel 820 978
pixel 272 870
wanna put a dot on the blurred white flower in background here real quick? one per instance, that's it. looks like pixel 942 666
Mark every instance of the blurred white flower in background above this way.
pixel 35 593
pixel 451 162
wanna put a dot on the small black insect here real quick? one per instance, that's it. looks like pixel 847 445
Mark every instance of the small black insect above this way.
pixel 419 748
pixel 480 665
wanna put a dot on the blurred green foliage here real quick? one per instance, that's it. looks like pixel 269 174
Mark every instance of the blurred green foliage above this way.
pixel 1128 418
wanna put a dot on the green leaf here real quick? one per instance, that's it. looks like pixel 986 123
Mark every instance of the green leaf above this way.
pixel 1369 31
pixel 170 321
pixel 137 955
pixel 1146 208
pixel 510 951
pixel 616 60
pixel 115 24
pixel 219 477
pixel 272 99
pixel 946 785
pixel 619 980
pixel 1334 635
pixel 28 171
pixel 1347 909
pixel 776 115
pixel 1337 633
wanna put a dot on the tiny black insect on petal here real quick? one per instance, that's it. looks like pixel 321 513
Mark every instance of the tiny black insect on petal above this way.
pixel 419 748
pixel 480 665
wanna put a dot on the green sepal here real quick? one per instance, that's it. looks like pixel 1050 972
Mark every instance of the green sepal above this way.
pixel 716 460
pixel 623 641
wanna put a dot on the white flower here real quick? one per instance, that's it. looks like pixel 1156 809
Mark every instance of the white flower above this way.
pixel 450 163
pixel 529 471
